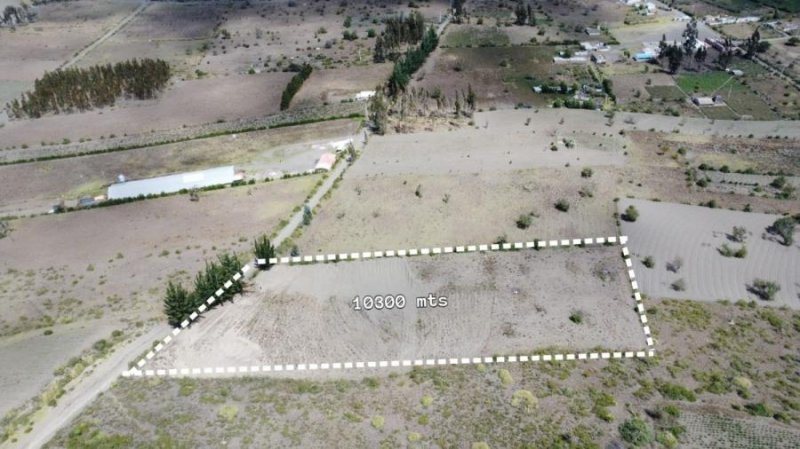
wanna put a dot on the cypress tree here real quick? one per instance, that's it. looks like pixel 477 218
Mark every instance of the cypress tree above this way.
pixel 178 304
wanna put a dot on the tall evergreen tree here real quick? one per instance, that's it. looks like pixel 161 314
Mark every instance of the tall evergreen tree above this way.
pixel 263 249
pixel 178 304
pixel 379 55
pixel 690 37
pixel 378 112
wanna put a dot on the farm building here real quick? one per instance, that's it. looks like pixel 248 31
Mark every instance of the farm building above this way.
pixel 716 100
pixel 644 56
pixel 365 95
pixel 325 162
pixel 593 45
pixel 173 183
pixel 598 59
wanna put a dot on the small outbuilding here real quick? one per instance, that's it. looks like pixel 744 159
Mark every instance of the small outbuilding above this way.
pixel 325 163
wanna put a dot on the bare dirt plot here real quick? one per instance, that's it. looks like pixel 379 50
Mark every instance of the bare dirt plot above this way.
pixel 34 187
pixel 499 76
pixel 116 260
pixel 474 150
pixel 335 85
pixel 666 232
pixel 380 212
pixel 184 103
pixel 498 303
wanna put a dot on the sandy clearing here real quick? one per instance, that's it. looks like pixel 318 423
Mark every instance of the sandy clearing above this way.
pixel 472 150
pixel 184 103
pixel 498 303
pixel 666 231
pixel 500 122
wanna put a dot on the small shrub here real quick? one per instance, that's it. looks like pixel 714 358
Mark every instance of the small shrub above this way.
pixel 413 437
pixel 764 289
pixel 426 401
pixel 378 421
pixel 524 221
pixel 784 227
pixel 636 432
pixel 505 377
pixel 562 205
pixel 739 234
pixel 675 265
pixel 679 285
pixel 727 251
pixel 676 392
pixel 758 409
pixel 524 398
pixel 631 214
pixel 587 173
pixel 649 262
pixel 576 317
pixel 228 412
pixel 667 439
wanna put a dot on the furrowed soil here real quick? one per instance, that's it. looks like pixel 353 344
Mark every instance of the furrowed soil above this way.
pixel 498 303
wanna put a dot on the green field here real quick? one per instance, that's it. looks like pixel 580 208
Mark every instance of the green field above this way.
pixel 666 93
pixel 719 112
pixel 736 95
pixel 702 83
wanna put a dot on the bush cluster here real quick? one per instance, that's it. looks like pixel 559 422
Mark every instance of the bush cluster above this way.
pixel 179 303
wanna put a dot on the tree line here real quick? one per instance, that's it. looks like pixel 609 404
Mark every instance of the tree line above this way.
pixel 65 90
pixel 294 85
pixel 410 62
pixel 398 31
pixel 179 302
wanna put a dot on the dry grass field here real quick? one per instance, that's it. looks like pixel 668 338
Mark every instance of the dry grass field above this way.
pixel 497 303
pixel 187 103
pixel 172 31
pixel 700 380
pixel 474 184
pixel 60 31
pixel 115 261
pixel 35 187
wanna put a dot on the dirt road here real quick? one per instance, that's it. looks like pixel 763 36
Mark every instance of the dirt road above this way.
pixel 84 392
pixel 107 35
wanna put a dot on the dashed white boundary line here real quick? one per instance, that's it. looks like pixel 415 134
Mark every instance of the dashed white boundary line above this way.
pixel 137 371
